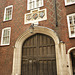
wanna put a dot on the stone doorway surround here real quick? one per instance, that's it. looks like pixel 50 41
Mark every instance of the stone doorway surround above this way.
pixel 70 60
pixel 59 48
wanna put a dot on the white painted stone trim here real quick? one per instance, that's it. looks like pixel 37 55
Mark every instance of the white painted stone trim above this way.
pixel 66 4
pixel 70 61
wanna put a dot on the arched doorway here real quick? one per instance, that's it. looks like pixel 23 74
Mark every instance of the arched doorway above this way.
pixel 71 60
pixel 38 56
pixel 16 68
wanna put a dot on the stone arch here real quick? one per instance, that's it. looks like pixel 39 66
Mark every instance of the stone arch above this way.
pixel 69 51
pixel 16 69
pixel 70 60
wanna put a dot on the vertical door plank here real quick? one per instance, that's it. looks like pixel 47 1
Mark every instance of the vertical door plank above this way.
pixel 26 67
pixel 45 68
pixel 41 68
pixel 45 50
pixel 34 67
pixel 50 68
pixel 40 40
pixel 30 67
pixel 53 51
pixel 40 51
pixel 49 51
pixel 28 51
pixel 31 51
pixel 35 52
pixel 54 67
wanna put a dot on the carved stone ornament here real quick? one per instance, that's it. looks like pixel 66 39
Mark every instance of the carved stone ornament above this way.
pixel 29 17
pixel 35 16
pixel 41 14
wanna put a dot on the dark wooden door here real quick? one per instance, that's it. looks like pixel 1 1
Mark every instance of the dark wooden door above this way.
pixel 38 56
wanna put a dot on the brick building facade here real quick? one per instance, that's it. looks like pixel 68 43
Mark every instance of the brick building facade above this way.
pixel 55 26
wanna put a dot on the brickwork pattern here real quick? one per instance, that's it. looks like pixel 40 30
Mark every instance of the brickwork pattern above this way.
pixel 18 27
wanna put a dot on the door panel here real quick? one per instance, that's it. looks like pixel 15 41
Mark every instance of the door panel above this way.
pixel 38 56
pixel 29 67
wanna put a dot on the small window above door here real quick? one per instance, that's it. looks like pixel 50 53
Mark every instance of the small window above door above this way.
pixel 32 4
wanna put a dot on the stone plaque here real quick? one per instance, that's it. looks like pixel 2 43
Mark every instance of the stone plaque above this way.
pixel 35 16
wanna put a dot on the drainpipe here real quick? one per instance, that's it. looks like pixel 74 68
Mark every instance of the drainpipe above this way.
pixel 56 13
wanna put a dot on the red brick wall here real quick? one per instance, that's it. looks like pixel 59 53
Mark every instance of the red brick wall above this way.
pixel 70 9
pixel 70 42
pixel 18 27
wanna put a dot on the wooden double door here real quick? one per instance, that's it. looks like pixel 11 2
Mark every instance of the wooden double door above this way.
pixel 38 56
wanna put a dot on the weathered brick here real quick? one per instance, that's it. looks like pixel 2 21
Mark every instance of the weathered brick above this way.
pixel 18 27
